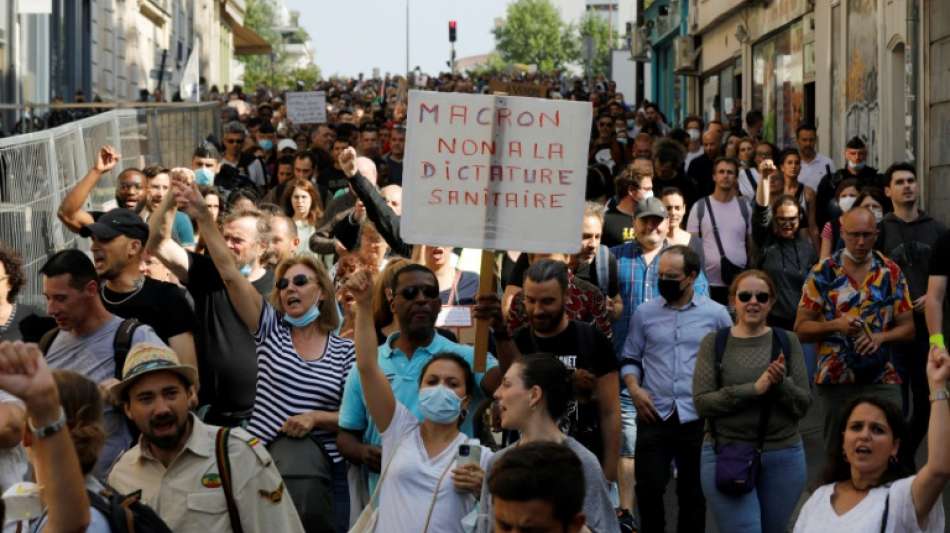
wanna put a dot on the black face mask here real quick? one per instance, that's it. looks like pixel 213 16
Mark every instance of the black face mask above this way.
pixel 670 289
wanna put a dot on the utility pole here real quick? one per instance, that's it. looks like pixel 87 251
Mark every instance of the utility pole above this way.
pixel 453 35
pixel 407 40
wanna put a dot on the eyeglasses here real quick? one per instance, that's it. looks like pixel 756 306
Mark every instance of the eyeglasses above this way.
pixel 429 291
pixel 299 280
pixel 761 297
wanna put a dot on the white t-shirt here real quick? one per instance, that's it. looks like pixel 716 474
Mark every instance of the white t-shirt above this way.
pixel 406 492
pixel 818 515
pixel 746 188
pixel 732 232
pixel 812 173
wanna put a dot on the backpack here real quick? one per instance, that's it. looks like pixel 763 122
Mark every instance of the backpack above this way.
pixel 701 213
pixel 127 514
pixel 121 344
pixel 606 269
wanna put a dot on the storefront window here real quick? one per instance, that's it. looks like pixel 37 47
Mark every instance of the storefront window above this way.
pixel 777 88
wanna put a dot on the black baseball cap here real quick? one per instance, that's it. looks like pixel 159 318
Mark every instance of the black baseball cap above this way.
pixel 119 221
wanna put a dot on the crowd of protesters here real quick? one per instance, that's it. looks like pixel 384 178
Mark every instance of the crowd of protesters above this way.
pixel 252 346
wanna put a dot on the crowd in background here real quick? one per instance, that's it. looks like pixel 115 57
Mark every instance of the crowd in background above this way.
pixel 252 346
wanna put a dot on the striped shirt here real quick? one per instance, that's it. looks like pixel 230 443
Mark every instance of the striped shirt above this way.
pixel 288 385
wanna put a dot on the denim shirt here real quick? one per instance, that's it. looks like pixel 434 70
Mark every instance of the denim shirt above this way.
pixel 662 347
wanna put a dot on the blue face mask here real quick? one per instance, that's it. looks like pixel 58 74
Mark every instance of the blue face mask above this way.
pixel 204 177
pixel 246 270
pixel 439 404
pixel 305 319
pixel 266 144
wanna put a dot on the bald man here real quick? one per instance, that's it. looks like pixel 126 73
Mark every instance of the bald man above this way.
pixel 855 305
pixel 700 170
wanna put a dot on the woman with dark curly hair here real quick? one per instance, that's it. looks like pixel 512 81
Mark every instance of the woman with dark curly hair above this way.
pixel 12 279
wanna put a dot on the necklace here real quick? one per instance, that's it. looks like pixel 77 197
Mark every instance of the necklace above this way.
pixel 139 283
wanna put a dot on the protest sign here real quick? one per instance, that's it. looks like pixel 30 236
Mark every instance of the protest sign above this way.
pixel 495 172
pixel 307 107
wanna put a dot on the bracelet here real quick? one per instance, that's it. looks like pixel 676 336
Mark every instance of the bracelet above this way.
pixel 936 340
pixel 939 395
pixel 50 429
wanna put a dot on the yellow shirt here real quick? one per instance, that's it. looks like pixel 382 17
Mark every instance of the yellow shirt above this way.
pixel 188 495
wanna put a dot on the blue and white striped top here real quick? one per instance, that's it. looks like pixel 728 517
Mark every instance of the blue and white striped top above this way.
pixel 288 385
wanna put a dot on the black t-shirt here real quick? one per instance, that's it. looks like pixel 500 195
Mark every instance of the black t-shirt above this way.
pixel 391 172
pixel 618 227
pixel 911 246
pixel 333 179
pixel 580 345
pixel 159 304
pixel 939 266
pixel 228 349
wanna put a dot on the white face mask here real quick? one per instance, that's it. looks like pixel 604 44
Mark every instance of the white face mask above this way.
pixel 846 203
pixel 878 214
pixel 647 194
pixel 694 134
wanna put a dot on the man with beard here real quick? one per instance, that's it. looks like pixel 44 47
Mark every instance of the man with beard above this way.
pixel 595 263
pixel 658 360
pixel 85 342
pixel 129 190
pixel 227 347
pixel 393 161
pixel 118 245
pixel 175 463
pixel 594 415
pixel 416 304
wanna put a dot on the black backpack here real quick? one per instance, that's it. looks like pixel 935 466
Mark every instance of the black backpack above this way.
pixel 127 514
pixel 121 344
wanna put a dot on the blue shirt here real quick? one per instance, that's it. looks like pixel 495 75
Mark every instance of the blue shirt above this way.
pixel 661 350
pixel 638 284
pixel 403 374
pixel 182 231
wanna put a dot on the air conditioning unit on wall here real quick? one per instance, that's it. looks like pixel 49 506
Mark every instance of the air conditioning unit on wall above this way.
pixel 685 55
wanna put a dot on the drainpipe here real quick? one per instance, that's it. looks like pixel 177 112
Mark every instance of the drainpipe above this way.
pixel 911 58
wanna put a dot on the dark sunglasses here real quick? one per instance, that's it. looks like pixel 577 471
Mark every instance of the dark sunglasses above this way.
pixel 299 280
pixel 761 297
pixel 429 291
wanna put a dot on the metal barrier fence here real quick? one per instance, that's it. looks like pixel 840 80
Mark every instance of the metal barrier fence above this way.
pixel 37 169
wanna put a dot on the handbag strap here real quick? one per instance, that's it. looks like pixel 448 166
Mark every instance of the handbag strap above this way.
pixel 712 219
pixel 722 336
pixel 374 500
pixel 435 494
pixel 887 506
pixel 224 471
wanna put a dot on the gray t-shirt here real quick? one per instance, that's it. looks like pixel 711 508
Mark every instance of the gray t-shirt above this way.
pixel 600 513
pixel 92 356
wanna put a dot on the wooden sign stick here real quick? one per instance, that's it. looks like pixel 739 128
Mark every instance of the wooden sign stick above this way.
pixel 486 285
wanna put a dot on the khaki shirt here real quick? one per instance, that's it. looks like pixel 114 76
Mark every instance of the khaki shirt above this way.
pixel 188 494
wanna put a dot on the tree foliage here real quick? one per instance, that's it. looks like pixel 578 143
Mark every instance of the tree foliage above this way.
pixel 273 70
pixel 533 33
pixel 604 38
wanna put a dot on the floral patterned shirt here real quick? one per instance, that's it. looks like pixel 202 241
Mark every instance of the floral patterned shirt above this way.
pixel 583 302
pixel 877 300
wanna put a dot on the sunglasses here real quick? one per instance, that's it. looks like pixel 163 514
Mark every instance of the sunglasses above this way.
pixel 429 291
pixel 761 297
pixel 299 280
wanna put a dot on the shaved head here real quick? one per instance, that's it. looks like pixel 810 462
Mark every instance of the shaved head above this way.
pixel 858 218
pixel 859 231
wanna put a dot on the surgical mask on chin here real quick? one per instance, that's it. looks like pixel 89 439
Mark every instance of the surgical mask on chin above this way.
pixel 846 203
pixel 305 319
pixel 847 253
pixel 246 270
pixel 440 404
pixel 856 166
pixel 647 194
pixel 694 134
pixel 204 177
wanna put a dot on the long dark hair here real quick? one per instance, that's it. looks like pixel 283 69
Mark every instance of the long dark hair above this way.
pixel 837 467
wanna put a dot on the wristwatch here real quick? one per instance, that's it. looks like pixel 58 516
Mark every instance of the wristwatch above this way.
pixel 50 429
pixel 936 396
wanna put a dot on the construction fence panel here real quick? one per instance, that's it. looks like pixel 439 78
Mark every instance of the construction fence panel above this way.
pixel 38 169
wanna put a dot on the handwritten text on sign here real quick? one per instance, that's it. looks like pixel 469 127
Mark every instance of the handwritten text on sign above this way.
pixel 495 172
pixel 307 107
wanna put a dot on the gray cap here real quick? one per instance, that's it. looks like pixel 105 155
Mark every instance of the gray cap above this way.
pixel 650 207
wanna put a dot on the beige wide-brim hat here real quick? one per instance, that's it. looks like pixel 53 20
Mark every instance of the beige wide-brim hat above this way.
pixel 145 358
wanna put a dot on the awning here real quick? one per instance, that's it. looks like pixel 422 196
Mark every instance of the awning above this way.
pixel 248 43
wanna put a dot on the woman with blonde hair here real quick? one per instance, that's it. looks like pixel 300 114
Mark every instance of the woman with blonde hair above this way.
pixel 301 367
